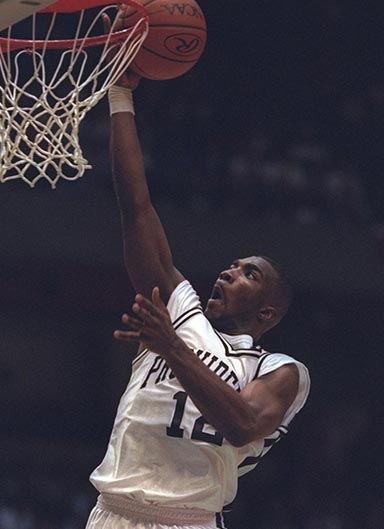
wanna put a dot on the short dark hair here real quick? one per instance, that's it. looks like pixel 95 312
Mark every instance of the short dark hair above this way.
pixel 282 291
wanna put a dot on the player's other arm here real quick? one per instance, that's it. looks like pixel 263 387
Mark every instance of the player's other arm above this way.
pixel 269 398
pixel 243 417
pixel 147 254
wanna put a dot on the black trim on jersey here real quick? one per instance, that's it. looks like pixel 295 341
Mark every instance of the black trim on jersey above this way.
pixel 239 352
pixel 226 345
pixel 250 461
pixel 262 358
pixel 186 316
pixel 268 442
pixel 140 355
pixel 176 322
pixel 220 520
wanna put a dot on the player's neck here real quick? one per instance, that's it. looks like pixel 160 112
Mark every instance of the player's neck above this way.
pixel 232 328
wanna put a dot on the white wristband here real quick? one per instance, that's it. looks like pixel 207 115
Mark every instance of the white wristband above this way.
pixel 120 100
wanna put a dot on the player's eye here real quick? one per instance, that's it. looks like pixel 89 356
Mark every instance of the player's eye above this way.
pixel 251 275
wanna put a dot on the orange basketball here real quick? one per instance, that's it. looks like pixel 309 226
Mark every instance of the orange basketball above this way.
pixel 176 39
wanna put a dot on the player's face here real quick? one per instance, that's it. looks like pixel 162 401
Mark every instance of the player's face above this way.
pixel 239 294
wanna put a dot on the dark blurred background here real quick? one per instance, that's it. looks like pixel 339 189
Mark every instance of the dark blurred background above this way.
pixel 271 145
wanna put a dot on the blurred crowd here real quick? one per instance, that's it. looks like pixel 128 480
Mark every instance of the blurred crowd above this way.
pixel 283 168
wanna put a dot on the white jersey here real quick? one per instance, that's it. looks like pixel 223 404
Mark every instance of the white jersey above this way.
pixel 161 449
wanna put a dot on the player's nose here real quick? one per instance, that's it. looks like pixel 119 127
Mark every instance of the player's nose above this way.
pixel 227 275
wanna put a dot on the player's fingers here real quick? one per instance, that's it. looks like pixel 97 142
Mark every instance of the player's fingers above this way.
pixel 156 299
pixel 143 313
pixel 106 23
pixel 133 79
pixel 127 336
pixel 124 11
pixel 155 296
pixel 131 322
pixel 145 304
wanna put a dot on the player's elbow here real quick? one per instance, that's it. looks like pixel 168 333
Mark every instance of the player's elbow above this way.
pixel 237 441
pixel 259 428
pixel 240 438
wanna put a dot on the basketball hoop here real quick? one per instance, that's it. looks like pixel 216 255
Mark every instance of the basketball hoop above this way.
pixel 49 81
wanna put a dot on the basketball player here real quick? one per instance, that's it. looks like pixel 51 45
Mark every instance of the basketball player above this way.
pixel 204 403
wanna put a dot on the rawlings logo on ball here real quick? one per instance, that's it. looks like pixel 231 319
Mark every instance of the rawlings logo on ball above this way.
pixel 183 44
pixel 184 9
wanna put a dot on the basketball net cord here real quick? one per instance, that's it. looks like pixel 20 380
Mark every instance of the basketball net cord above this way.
pixel 40 113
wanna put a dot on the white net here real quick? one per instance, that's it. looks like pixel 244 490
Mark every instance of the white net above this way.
pixel 46 92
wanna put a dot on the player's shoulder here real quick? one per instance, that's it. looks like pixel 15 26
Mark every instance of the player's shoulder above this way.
pixel 183 303
pixel 271 360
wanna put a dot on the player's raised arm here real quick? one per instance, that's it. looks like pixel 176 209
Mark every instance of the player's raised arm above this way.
pixel 147 254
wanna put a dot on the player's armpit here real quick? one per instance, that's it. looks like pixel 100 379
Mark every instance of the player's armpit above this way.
pixel 269 397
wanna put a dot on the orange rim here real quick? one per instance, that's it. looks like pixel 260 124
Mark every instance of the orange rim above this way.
pixel 10 44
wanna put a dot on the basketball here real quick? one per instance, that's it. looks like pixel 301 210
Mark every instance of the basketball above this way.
pixel 175 42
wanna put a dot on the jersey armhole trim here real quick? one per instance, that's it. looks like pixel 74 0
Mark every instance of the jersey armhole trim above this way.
pixel 261 361
pixel 220 521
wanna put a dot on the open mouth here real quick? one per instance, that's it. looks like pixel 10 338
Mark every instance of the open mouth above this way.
pixel 217 294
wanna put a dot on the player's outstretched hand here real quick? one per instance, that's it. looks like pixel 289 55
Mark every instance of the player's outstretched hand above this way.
pixel 151 324
pixel 129 79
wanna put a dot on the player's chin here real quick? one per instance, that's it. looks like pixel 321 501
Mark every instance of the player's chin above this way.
pixel 214 310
